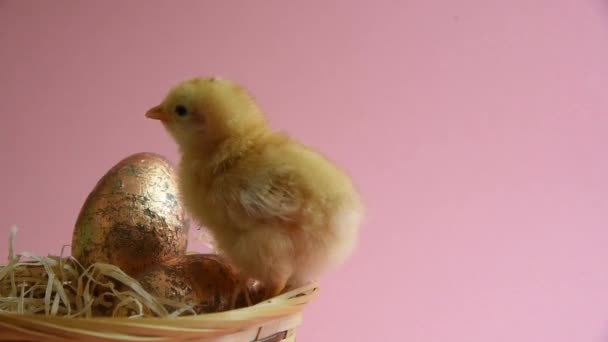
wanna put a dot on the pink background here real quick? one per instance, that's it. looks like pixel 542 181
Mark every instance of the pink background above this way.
pixel 477 131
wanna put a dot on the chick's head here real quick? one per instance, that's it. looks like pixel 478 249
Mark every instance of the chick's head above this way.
pixel 207 110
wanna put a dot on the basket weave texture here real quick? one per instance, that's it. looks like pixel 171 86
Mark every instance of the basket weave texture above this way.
pixel 270 321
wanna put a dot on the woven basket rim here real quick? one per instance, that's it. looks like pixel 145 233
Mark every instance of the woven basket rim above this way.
pixel 278 314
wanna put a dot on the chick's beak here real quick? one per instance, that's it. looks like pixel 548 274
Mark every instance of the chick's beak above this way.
pixel 157 113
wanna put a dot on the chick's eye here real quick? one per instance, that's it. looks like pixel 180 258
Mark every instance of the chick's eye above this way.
pixel 181 110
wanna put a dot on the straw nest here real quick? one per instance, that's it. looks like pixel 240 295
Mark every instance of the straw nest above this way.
pixel 54 298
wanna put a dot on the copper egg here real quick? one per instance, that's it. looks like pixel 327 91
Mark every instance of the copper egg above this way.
pixel 133 217
pixel 205 280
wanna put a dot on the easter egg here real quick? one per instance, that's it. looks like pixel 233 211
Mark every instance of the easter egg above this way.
pixel 133 217
pixel 205 281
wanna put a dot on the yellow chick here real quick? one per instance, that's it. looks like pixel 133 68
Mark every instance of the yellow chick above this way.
pixel 282 213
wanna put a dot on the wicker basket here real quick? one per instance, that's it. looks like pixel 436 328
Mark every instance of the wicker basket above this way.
pixel 270 321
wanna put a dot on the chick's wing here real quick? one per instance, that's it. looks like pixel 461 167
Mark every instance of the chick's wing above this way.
pixel 271 195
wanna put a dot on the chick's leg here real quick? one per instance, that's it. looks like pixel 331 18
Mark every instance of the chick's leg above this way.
pixel 240 289
pixel 267 254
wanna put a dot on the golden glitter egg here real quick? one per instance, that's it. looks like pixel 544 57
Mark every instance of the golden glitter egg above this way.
pixel 133 217
pixel 206 281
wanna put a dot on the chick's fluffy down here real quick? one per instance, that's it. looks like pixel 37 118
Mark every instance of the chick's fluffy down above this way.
pixel 280 211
